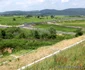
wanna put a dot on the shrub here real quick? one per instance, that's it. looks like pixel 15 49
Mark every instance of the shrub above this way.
pixel 52 16
pixel 3 34
pixel 22 35
pixel 52 32
pixel 35 34
pixel 14 19
pixel 79 32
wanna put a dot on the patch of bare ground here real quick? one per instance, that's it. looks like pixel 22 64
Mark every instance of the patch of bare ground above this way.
pixel 39 53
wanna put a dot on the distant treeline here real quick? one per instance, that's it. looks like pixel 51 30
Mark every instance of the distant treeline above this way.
pixel 70 11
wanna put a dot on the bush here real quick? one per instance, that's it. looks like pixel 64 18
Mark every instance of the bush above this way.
pixel 79 32
pixel 2 34
pixel 14 19
pixel 44 35
pixel 52 32
pixel 22 35
pixel 12 32
pixel 35 34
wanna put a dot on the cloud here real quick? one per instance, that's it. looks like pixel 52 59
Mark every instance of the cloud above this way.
pixel 63 1
pixel 75 4
pixel 7 5
pixel 18 4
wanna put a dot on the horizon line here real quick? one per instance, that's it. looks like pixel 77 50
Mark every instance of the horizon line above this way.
pixel 41 10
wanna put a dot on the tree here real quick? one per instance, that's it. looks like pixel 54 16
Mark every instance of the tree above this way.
pixel 38 16
pixel 28 16
pixel 14 19
pixel 52 16
pixel 36 34
pixel 3 34
pixel 52 32
pixel 79 32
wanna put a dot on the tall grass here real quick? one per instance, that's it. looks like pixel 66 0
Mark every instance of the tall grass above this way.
pixel 70 59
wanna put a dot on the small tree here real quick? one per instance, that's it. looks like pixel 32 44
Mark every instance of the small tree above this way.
pixel 38 16
pixel 36 34
pixel 52 32
pixel 14 19
pixel 3 34
pixel 52 16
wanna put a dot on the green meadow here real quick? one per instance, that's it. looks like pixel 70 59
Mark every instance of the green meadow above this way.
pixel 9 20
pixel 57 27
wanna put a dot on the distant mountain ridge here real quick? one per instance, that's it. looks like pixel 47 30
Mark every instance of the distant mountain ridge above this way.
pixel 70 11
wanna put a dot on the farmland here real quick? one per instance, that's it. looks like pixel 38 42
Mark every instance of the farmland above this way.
pixel 25 34
pixel 57 27
pixel 8 20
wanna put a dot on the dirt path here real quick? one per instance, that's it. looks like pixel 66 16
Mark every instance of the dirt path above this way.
pixel 39 53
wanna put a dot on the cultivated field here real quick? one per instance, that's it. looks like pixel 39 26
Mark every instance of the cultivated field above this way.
pixel 22 38
pixel 18 20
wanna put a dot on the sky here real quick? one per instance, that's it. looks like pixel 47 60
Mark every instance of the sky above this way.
pixel 28 5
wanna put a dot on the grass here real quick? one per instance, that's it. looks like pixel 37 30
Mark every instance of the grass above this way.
pixel 58 28
pixel 23 46
pixel 77 23
pixel 64 58
pixel 21 52
pixel 70 59
pixel 5 58
pixel 80 23
pixel 8 20
pixel 21 20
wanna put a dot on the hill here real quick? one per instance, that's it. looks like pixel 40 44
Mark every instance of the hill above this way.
pixel 70 11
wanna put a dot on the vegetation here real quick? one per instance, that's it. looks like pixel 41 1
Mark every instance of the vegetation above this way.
pixel 79 32
pixel 70 11
pixel 70 59
pixel 20 39
pixel 57 27
pixel 76 23
pixel 18 20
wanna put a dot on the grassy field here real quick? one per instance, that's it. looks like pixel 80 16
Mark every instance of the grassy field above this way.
pixel 77 23
pixel 8 20
pixel 70 59
pixel 57 27
pixel 24 41
pixel 80 23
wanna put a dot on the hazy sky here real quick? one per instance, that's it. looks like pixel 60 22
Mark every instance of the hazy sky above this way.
pixel 27 5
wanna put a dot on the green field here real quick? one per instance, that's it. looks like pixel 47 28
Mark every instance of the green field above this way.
pixel 25 40
pixel 8 20
pixel 70 59
pixel 57 27
pixel 79 23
